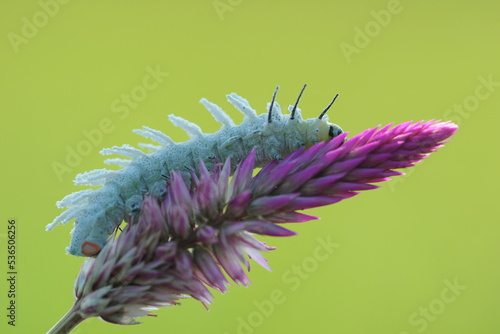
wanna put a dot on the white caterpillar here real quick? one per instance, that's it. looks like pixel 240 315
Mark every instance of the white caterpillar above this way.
pixel 99 212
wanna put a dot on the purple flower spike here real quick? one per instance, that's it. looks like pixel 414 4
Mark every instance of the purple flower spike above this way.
pixel 188 240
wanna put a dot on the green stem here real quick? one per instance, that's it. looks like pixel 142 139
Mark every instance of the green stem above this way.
pixel 68 322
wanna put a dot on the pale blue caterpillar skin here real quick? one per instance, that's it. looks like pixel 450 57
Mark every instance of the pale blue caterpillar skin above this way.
pixel 99 212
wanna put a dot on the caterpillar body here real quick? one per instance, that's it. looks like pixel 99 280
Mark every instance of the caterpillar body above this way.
pixel 98 212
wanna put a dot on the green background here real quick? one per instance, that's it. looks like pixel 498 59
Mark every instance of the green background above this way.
pixel 390 61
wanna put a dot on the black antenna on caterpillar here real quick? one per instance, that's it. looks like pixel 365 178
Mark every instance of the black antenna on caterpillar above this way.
pixel 292 116
pixel 327 107
pixel 269 116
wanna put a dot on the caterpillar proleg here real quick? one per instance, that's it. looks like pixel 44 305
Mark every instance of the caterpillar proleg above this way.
pixel 97 213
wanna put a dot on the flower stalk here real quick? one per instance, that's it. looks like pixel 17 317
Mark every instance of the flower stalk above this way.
pixel 202 236
pixel 68 322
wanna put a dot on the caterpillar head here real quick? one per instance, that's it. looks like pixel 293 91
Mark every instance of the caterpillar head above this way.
pixel 310 131
pixel 334 130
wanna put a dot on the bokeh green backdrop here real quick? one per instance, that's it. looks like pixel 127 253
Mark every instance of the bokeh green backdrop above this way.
pixel 67 65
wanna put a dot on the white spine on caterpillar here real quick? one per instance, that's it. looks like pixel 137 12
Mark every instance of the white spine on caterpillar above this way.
pixel 98 212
